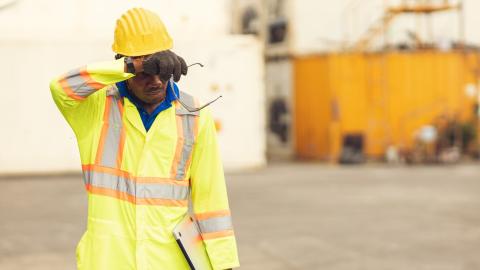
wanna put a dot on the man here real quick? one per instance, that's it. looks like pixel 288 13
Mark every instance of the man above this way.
pixel 145 157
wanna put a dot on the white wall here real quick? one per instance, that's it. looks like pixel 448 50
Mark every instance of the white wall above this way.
pixel 234 68
pixel 42 39
pixel 35 137
pixel 53 18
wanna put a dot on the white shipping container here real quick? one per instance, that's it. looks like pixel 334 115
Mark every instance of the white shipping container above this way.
pixel 280 109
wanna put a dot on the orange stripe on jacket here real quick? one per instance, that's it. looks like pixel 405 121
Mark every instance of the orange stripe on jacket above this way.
pixel 195 132
pixel 132 199
pixel 125 174
pixel 214 235
pixel 122 137
pixel 103 134
pixel 101 169
pixel 110 193
pixel 164 202
pixel 89 81
pixel 179 147
pixel 213 214
pixel 68 90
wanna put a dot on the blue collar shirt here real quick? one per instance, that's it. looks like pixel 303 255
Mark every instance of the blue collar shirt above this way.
pixel 147 118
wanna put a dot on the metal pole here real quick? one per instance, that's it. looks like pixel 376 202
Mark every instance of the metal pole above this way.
pixel 461 24
pixel 384 30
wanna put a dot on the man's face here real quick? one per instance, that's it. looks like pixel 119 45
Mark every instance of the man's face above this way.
pixel 149 89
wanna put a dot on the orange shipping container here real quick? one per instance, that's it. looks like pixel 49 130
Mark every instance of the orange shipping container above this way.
pixel 382 97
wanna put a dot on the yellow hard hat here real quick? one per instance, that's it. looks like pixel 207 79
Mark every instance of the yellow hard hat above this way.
pixel 140 32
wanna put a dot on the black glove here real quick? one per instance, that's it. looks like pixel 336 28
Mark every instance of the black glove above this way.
pixel 164 64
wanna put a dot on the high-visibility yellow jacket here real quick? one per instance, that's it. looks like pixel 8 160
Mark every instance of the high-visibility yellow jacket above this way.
pixel 138 182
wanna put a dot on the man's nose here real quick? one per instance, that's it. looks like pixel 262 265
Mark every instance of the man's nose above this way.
pixel 155 80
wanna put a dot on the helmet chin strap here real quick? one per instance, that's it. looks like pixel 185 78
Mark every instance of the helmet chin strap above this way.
pixel 188 108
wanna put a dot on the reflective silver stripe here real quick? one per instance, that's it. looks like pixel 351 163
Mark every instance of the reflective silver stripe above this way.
pixel 86 177
pixel 216 224
pixel 112 90
pixel 139 190
pixel 114 132
pixel 188 126
pixel 188 123
pixel 187 100
pixel 78 84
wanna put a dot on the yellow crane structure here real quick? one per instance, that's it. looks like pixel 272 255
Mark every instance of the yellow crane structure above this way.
pixel 419 7
pixel 373 100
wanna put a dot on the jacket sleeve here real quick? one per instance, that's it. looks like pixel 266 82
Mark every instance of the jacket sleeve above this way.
pixel 74 92
pixel 209 197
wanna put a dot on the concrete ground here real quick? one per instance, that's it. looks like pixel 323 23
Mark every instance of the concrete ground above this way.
pixel 286 216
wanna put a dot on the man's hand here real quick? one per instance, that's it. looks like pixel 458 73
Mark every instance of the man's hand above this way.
pixel 164 64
